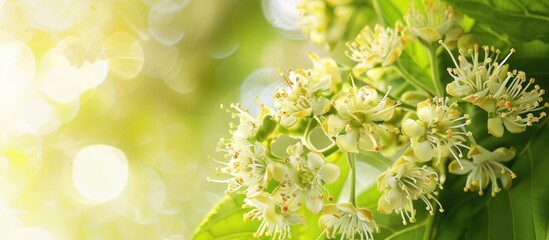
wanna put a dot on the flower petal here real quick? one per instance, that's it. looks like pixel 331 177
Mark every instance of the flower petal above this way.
pixel 495 127
pixel 315 160
pixel 512 126
pixel 329 173
pixel 456 168
pixel 424 151
pixel 313 203
pixel 424 111
pixel 347 142
pixel 411 128
pixel 333 125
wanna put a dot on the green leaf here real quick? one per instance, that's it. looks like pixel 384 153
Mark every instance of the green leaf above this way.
pixel 525 20
pixel 522 212
pixel 225 221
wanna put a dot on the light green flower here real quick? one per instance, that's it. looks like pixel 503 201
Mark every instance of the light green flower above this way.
pixel 248 165
pixel 381 47
pixel 307 91
pixel 357 122
pixel 501 93
pixel 486 167
pixel 433 20
pixel 273 222
pixel 404 183
pixel 305 180
pixel 438 131
pixel 325 22
pixel 349 221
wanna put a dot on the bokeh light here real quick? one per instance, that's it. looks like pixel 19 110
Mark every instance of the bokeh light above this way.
pixel 100 173
pixel 110 109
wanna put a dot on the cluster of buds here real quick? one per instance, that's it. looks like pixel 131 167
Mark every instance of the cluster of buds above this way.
pixel 507 96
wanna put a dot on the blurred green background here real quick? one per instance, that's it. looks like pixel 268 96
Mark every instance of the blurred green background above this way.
pixel 110 109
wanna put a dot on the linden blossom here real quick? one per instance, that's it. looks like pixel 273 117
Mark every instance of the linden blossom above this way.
pixel 347 220
pixel 433 21
pixel 273 223
pixel 381 47
pixel 438 129
pixel 305 180
pixel 356 123
pixel 405 182
pixel 490 86
pixel 486 167
pixel 307 91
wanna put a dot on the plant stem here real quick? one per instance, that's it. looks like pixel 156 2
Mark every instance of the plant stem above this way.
pixel 379 14
pixel 411 79
pixel 435 71
pixel 352 164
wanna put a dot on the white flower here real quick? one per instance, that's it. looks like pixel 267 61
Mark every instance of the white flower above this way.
pixel 273 223
pixel 433 20
pixel 325 22
pixel 305 180
pixel 347 220
pixel 438 130
pixel 381 47
pixel 357 122
pixel 511 104
pixel 307 91
pixel 249 167
pixel 404 183
pixel 486 167
pixel 501 93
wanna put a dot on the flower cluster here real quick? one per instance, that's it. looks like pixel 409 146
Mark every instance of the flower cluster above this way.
pixel 422 139
pixel 507 96
pixel 307 91
pixel 381 47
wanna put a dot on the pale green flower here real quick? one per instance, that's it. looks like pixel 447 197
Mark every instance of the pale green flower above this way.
pixel 349 221
pixel 433 20
pixel 305 180
pixel 486 167
pixel 438 131
pixel 307 91
pixel 357 123
pixel 248 165
pixel 404 183
pixel 273 222
pixel 325 22
pixel 381 47
pixel 501 93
